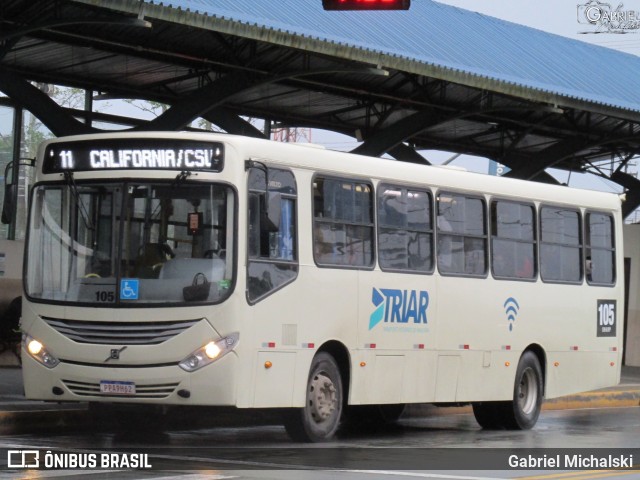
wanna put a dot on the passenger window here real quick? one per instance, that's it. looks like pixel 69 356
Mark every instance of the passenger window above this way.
pixel 560 245
pixel 600 261
pixel 513 240
pixel 462 235
pixel 272 232
pixel 343 222
pixel 405 231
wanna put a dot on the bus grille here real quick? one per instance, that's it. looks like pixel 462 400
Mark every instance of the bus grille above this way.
pixel 107 333
pixel 87 389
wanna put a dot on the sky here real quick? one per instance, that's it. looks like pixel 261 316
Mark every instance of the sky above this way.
pixel 559 17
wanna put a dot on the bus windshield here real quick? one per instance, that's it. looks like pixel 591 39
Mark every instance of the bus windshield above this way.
pixel 130 243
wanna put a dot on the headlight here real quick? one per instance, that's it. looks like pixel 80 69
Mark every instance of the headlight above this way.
pixel 38 351
pixel 210 352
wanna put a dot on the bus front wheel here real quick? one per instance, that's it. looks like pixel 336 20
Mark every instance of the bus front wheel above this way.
pixel 522 412
pixel 320 418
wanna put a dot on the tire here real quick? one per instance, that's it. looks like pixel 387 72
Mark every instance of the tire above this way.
pixel 487 415
pixel 527 393
pixel 319 419
pixel 523 411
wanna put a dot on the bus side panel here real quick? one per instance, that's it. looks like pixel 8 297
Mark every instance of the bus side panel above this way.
pixel 489 323
pixel 317 307
pixel 396 338
pixel 473 326
pixel 580 356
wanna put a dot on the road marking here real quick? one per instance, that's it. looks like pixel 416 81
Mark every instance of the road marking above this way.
pixel 585 474
pixel 419 475
pixel 34 474
pixel 195 476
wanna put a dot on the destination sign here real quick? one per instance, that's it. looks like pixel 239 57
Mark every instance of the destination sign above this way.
pixel 133 154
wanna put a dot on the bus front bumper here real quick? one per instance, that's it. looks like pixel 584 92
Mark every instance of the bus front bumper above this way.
pixel 212 384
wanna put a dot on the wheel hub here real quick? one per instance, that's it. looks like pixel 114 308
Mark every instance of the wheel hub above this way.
pixel 322 398
pixel 527 392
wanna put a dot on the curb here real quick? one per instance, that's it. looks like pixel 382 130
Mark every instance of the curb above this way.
pixel 9 358
pixel 24 421
pixel 620 397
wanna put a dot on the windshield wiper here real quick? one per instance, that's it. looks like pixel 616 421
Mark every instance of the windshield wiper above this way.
pixel 180 178
pixel 84 214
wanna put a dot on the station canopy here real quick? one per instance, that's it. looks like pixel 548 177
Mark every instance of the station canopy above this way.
pixel 434 77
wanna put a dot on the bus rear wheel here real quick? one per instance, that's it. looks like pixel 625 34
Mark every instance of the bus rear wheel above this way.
pixel 319 419
pixel 523 411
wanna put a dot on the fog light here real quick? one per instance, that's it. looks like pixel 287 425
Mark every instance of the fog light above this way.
pixel 184 393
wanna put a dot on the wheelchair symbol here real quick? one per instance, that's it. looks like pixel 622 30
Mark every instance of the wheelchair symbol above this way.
pixel 129 289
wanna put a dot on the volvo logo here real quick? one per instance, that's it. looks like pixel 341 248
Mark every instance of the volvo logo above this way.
pixel 114 354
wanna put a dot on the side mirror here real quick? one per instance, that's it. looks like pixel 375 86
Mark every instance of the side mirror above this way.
pixel 9 195
pixel 270 202
pixel 7 205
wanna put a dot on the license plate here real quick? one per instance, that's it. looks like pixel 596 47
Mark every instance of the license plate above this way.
pixel 117 388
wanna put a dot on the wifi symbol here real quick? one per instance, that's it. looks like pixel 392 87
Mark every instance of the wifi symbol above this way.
pixel 511 308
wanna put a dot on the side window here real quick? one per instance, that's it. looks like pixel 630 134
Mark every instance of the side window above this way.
pixel 272 232
pixel 560 245
pixel 342 222
pixel 600 263
pixel 405 230
pixel 462 235
pixel 513 240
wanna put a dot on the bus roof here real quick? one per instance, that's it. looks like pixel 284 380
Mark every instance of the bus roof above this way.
pixel 346 164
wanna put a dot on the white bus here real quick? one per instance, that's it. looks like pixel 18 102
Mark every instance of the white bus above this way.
pixel 210 269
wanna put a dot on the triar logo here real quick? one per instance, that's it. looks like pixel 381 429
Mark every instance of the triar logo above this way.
pixel 399 306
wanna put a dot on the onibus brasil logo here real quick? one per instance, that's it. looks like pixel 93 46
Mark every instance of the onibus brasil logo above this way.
pixel 399 306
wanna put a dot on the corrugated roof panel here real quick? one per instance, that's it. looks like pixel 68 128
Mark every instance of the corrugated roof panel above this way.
pixel 451 38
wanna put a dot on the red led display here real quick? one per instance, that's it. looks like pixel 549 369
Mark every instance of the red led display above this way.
pixel 366 4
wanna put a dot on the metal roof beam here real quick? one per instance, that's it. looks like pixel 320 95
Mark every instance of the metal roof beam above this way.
pixel 223 90
pixel 632 184
pixel 381 142
pixel 405 153
pixel 232 123
pixel 199 103
pixel 548 158
pixel 52 115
